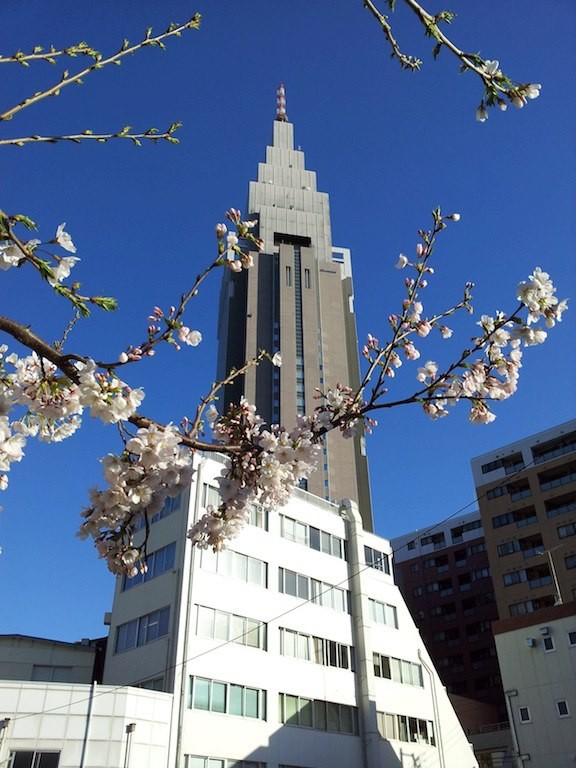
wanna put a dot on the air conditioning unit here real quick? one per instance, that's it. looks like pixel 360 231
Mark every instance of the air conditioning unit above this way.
pixel 544 630
pixel 530 642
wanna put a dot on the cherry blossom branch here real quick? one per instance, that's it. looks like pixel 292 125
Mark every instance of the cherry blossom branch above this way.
pixel 499 89
pixel 125 50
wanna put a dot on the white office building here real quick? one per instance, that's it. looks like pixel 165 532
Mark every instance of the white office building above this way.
pixel 291 648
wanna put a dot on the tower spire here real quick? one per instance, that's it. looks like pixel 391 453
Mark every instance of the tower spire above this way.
pixel 281 104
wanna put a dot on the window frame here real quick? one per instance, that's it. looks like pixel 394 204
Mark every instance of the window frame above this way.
pixel 526 710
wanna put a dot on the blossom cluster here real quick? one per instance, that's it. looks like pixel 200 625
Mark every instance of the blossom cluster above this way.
pixel 270 464
pixel 54 403
pixel 13 254
pixel 499 88
pixel 153 467
pixel 341 408
pixel 494 376
pixel 231 252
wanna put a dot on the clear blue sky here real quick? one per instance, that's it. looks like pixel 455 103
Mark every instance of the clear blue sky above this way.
pixel 387 145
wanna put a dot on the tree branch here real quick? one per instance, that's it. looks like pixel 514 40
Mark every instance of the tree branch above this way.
pixel 126 49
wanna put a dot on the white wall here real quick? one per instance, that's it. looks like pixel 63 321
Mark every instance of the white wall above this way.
pixel 87 726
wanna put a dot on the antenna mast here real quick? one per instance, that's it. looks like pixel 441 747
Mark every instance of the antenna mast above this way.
pixel 281 104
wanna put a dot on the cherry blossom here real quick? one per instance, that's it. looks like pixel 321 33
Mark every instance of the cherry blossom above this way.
pixel 64 240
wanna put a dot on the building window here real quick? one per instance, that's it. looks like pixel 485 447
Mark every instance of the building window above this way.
pixel 383 613
pixel 404 728
pixel 562 707
pixel 528 606
pixel 437 539
pixel 22 759
pixel 398 670
pixel 195 761
pixel 524 714
pixel 508 548
pixel 48 673
pixel 411 545
pixel 449 636
pixel 170 506
pixel 549 644
pixel 219 625
pixel 288 276
pixel 560 506
pixel 157 563
pixel 311 537
pixel 572 638
pixel 307 282
pixel 210 496
pixel 377 560
pixel 417 591
pixel 143 630
pixel 510 464
pixel 517 491
pixel 329 653
pixel 414 567
pixel 564 531
pixel 227 698
pixel 317 714
pixel 154 684
pixel 318 592
pixel 238 566
pixel 514 577
pixel 556 479
pixel 559 447
pixel 258 516
pixel 458 532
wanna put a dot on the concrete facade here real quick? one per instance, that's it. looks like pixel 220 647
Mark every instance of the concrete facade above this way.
pixel 56 725
pixel 444 576
pixel 298 298
pixel 537 652
pixel 527 497
pixel 36 658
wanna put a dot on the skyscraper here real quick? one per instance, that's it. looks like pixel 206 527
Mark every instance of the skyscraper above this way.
pixel 298 299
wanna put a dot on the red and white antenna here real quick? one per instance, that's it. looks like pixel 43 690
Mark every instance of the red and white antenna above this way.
pixel 281 103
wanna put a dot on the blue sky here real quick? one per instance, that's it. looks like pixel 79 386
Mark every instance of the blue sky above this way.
pixel 388 146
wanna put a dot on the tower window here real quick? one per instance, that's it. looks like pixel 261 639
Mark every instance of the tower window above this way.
pixel 307 278
pixel 288 276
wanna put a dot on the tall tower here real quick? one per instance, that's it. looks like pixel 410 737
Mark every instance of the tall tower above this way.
pixel 298 299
